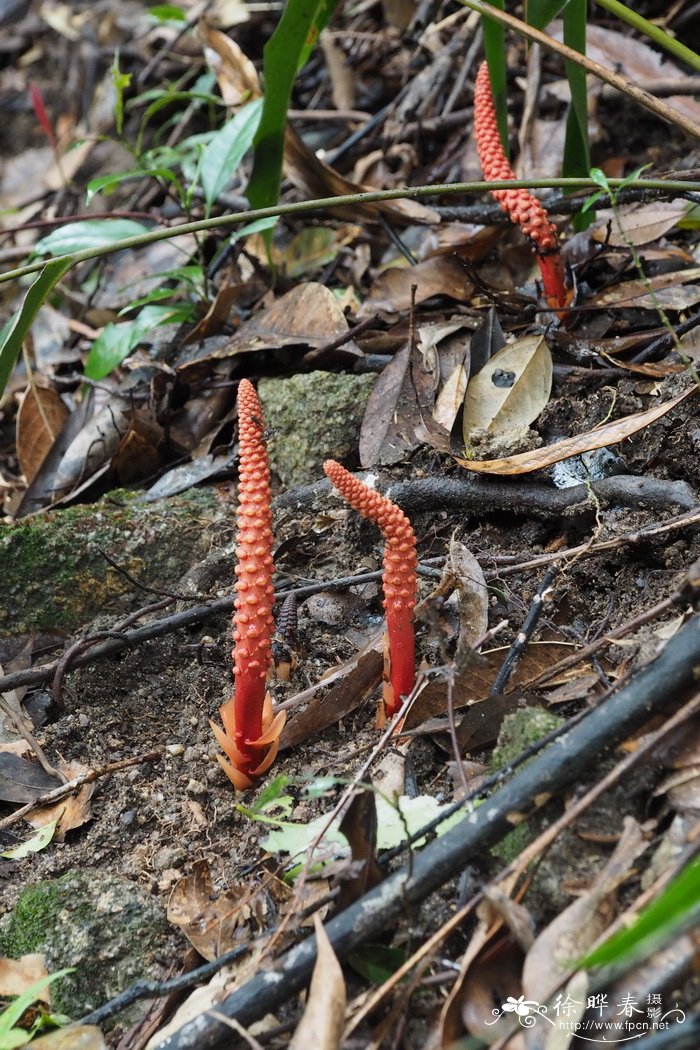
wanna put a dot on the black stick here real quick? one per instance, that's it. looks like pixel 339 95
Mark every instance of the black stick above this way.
pixel 573 755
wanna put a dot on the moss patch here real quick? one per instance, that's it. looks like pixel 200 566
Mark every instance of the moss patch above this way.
pixel 54 573
pixel 107 928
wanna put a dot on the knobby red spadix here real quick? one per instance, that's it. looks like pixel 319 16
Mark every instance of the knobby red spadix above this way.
pixel 521 206
pixel 250 737
pixel 398 580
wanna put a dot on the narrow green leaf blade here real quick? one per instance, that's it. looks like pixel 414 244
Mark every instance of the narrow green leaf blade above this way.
pixel 16 328
pixel 576 153
pixel 677 905
pixel 296 31
pixel 226 150
pixel 495 50
pixel 539 13
pixel 116 341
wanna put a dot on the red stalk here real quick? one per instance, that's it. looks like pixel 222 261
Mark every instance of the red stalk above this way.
pixel 522 208
pixel 399 579
pixel 250 737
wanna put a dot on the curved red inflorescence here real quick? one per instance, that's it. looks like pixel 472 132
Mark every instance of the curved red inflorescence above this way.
pixel 521 206
pixel 250 737
pixel 399 579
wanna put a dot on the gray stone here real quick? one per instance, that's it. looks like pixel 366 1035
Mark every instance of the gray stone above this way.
pixel 313 417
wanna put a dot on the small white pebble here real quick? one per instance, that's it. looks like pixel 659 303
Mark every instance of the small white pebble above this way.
pixel 175 749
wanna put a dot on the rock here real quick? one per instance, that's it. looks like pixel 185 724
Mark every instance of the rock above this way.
pixel 54 572
pixel 313 417
pixel 109 929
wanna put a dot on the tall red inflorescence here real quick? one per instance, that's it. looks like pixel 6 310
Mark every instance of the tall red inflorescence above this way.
pixel 521 206
pixel 399 579
pixel 250 737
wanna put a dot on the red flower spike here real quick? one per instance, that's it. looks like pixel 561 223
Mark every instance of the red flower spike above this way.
pixel 399 579
pixel 250 737
pixel 521 206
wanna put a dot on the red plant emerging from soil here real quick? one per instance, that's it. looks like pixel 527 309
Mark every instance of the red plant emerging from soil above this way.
pixel 250 737
pixel 521 206
pixel 399 579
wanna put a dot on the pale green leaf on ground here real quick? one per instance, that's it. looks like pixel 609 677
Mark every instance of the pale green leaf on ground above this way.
pixel 37 842
pixel 226 150
pixel 88 233
pixel 511 389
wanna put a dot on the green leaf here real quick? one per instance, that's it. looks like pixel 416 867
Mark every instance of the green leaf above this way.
pixel 89 233
pixel 116 341
pixel 37 842
pixel 539 13
pixel 296 32
pixel 167 13
pixel 121 82
pixel 226 150
pixel 106 183
pixel 576 154
pixel 10 1016
pixel 16 327
pixel 377 962
pixel 677 906
pixel 256 226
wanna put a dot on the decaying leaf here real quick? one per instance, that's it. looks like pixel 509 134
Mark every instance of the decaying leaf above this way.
pixel 674 291
pixel 576 929
pixel 511 389
pixel 17 975
pixel 641 223
pixel 70 812
pixel 40 419
pixel 355 680
pixel 359 826
pixel 235 74
pixel 439 275
pixel 607 434
pixel 323 1022
pixel 210 918
pixel 474 683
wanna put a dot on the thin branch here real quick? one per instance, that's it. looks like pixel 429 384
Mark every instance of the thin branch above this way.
pixel 222 222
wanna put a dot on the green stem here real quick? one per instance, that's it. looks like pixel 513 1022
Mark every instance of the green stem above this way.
pixel 654 33
pixel 300 207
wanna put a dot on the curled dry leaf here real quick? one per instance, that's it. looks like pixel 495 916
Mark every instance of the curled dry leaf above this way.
pixel 323 1022
pixel 608 434
pixel 439 275
pixel 40 420
pixel 511 389
pixel 235 74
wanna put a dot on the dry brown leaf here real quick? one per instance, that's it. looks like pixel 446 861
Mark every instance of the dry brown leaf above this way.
pixel 74 1037
pixel 308 315
pixel 309 173
pixel 641 223
pixel 16 975
pixel 576 928
pixel 473 684
pixel 40 420
pixel 439 275
pixel 235 74
pixel 355 680
pixel 608 434
pixel 511 389
pixel 636 60
pixel 71 812
pixel 323 1022
pixel 210 918
pixel 387 432
pixel 359 826
pixel 670 290
pixel 472 593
